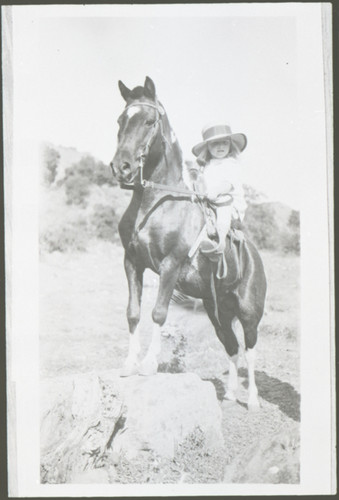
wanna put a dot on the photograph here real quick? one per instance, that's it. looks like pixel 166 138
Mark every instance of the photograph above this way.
pixel 168 232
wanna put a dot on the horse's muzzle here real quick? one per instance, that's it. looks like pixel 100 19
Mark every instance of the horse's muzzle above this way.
pixel 114 170
pixel 122 172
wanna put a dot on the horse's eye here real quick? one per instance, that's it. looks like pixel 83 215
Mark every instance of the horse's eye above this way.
pixel 150 122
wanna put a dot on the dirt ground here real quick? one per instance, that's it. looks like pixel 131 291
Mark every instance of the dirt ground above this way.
pixel 83 328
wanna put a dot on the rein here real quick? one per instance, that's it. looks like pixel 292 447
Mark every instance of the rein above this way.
pixel 139 175
pixel 138 180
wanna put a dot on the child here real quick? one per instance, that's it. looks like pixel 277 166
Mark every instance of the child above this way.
pixel 220 174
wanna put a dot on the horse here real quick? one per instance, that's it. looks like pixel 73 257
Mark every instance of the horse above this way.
pixel 157 231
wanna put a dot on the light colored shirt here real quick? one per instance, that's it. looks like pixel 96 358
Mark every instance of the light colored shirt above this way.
pixel 217 177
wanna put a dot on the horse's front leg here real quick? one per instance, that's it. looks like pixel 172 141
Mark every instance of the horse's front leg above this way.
pixel 135 279
pixel 168 273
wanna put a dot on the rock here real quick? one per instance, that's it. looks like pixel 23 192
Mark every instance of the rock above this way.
pixel 76 428
pixel 90 421
pixel 163 410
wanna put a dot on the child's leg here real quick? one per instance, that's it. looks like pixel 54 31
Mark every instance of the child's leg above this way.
pixel 224 217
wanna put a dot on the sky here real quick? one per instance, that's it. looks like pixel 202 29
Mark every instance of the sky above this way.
pixel 242 67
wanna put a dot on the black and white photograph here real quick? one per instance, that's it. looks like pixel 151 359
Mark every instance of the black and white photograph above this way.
pixel 168 233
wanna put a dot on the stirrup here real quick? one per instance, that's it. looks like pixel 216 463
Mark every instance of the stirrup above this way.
pixel 210 247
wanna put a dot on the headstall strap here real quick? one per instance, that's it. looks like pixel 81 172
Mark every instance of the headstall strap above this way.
pixel 195 196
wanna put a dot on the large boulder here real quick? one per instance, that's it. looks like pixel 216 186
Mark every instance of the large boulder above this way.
pixel 90 420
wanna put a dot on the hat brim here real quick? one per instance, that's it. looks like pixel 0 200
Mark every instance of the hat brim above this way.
pixel 239 139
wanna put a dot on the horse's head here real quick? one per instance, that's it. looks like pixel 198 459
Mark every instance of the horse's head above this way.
pixel 141 133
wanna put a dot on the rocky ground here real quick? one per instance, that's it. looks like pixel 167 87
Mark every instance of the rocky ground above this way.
pixel 83 330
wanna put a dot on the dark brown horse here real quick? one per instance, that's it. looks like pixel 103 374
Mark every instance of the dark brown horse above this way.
pixel 159 228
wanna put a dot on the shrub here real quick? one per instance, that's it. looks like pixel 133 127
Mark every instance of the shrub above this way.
pixel 292 239
pixel 50 163
pixel 103 175
pixel 104 223
pixel 81 176
pixel 72 235
pixel 273 226
pixel 252 195
pixel 77 189
pixel 261 227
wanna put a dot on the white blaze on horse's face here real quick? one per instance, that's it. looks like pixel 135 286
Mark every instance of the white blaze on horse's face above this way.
pixel 133 110
pixel 173 137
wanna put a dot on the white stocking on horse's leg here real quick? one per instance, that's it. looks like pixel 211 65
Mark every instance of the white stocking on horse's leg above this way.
pixel 249 321
pixel 253 401
pixel 169 272
pixel 251 334
pixel 227 337
pixel 149 365
pixel 131 364
pixel 134 278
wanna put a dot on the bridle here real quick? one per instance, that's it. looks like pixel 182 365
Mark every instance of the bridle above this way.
pixel 138 178
pixel 158 124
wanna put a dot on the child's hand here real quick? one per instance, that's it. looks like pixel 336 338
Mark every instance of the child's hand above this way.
pixel 193 170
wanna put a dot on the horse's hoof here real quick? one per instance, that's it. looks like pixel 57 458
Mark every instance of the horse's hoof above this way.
pixel 253 405
pixel 227 403
pixel 148 368
pixel 129 371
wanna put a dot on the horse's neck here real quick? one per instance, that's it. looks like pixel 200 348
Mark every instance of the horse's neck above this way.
pixel 168 171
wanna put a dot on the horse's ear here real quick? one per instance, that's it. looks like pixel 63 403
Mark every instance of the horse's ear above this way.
pixel 124 91
pixel 149 87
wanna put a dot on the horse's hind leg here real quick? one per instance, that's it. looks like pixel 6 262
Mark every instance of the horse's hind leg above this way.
pixel 227 337
pixel 250 336
pixel 169 272
pixel 135 278
pixel 253 401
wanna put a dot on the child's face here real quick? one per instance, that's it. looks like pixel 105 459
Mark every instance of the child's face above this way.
pixel 219 148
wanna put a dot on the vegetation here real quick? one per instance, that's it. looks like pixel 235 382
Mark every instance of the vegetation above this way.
pixel 50 162
pixel 81 176
pixel 78 203
pixel 273 226
pixel 82 204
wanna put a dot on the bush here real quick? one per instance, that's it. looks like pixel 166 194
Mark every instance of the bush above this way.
pixel 273 226
pixel 252 195
pixel 104 223
pixel 50 163
pixel 70 236
pixel 292 240
pixel 81 176
pixel 103 175
pixel 261 227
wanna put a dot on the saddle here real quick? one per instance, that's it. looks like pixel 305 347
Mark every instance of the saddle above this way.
pixel 235 239
pixel 208 246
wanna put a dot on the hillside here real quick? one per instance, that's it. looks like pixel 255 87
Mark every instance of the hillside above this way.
pixel 90 203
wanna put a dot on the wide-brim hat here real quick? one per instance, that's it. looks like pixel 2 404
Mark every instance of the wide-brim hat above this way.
pixel 212 132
